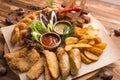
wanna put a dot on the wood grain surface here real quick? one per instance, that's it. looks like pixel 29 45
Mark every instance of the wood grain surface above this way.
pixel 107 13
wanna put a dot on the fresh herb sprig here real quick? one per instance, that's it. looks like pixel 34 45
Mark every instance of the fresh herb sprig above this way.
pixel 52 21
pixel 68 31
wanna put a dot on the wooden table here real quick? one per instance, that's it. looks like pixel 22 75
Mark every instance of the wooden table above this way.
pixel 107 13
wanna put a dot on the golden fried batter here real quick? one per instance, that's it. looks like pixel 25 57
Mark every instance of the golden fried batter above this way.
pixel 75 61
pixel 22 59
pixel 21 27
pixel 64 62
pixel 36 70
pixel 52 63
pixel 19 64
pixel 47 72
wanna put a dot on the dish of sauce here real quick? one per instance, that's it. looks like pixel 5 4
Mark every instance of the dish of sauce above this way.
pixel 59 27
pixel 50 40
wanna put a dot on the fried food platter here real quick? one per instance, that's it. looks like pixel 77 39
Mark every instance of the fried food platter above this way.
pixel 84 51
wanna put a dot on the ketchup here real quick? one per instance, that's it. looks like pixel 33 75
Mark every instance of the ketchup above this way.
pixel 50 40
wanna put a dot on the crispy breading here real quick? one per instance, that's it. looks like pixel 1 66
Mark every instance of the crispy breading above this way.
pixel 32 56
pixel 19 64
pixel 36 70
pixel 21 27
pixel 18 33
pixel 15 54
pixel 75 60
pixel 47 72
pixel 22 59
pixel 52 63
pixel 64 62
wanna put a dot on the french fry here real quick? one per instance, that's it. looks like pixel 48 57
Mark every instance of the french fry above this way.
pixel 68 47
pixel 95 50
pixel 85 59
pixel 71 40
pixel 79 31
pixel 90 27
pixel 76 32
pixel 97 40
pixel 79 45
pixel 91 42
pixel 82 31
pixel 92 32
pixel 83 41
pixel 91 56
pixel 101 45
pixel 87 37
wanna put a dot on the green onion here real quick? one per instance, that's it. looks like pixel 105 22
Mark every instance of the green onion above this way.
pixel 51 22
pixel 37 30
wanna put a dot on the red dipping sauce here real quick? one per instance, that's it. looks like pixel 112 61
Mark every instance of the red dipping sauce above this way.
pixel 50 40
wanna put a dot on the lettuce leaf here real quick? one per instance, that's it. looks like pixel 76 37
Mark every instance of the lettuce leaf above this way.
pixel 37 30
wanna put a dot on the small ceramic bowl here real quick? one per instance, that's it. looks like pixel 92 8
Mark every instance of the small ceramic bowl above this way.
pixel 50 40
pixel 60 25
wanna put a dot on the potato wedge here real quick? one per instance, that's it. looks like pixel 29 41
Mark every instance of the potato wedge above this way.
pixel 79 45
pixel 76 31
pixel 91 42
pixel 95 50
pixel 35 70
pixel 83 41
pixel 91 56
pixel 75 61
pixel 88 37
pixel 52 63
pixel 101 45
pixel 97 40
pixel 90 27
pixel 71 40
pixel 85 59
pixel 64 62
pixel 79 31
pixel 92 32
pixel 68 47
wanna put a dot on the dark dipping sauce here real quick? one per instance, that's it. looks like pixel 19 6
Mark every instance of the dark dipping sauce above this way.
pixel 50 40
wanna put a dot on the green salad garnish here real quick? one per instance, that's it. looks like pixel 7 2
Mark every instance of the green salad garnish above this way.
pixel 37 30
